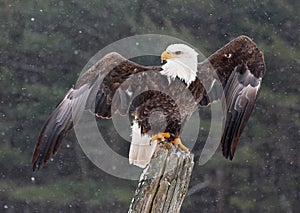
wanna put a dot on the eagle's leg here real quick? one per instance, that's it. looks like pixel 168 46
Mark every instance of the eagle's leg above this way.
pixel 160 136
pixel 177 142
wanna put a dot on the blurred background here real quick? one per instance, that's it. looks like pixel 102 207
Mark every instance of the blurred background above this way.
pixel 45 44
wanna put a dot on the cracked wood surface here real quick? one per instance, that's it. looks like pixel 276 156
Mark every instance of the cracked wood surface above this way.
pixel 164 182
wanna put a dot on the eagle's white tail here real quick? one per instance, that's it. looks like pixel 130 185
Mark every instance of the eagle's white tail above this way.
pixel 141 151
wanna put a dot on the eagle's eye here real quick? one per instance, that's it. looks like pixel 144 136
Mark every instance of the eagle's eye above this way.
pixel 178 52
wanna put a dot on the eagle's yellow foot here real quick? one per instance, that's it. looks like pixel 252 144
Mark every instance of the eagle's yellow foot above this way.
pixel 177 142
pixel 160 137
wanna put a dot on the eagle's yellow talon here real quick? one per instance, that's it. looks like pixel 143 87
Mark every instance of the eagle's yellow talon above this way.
pixel 177 142
pixel 160 136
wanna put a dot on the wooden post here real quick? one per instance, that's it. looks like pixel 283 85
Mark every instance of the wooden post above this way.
pixel 164 182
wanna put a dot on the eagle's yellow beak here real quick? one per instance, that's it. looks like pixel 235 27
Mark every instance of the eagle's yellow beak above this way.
pixel 166 55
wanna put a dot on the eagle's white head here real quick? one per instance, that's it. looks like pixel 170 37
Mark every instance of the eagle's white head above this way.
pixel 181 62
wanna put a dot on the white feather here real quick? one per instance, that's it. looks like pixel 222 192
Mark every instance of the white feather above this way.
pixel 141 151
pixel 183 66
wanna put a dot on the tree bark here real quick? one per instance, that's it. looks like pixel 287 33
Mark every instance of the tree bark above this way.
pixel 164 182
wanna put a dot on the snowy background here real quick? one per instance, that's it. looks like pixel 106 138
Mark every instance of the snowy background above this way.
pixel 45 44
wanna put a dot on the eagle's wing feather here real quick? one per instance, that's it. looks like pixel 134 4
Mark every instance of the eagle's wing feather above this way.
pixel 113 69
pixel 109 89
pixel 59 123
pixel 240 93
pixel 237 69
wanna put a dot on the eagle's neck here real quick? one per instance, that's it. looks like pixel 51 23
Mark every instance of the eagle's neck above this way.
pixel 175 68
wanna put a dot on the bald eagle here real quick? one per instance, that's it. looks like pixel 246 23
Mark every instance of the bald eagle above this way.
pixel 239 67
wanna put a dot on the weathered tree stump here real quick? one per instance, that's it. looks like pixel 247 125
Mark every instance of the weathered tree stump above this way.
pixel 164 182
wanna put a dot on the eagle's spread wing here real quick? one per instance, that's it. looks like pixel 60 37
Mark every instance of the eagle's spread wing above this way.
pixel 113 69
pixel 239 67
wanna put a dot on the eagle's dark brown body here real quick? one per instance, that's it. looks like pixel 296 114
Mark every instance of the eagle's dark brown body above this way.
pixel 238 66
